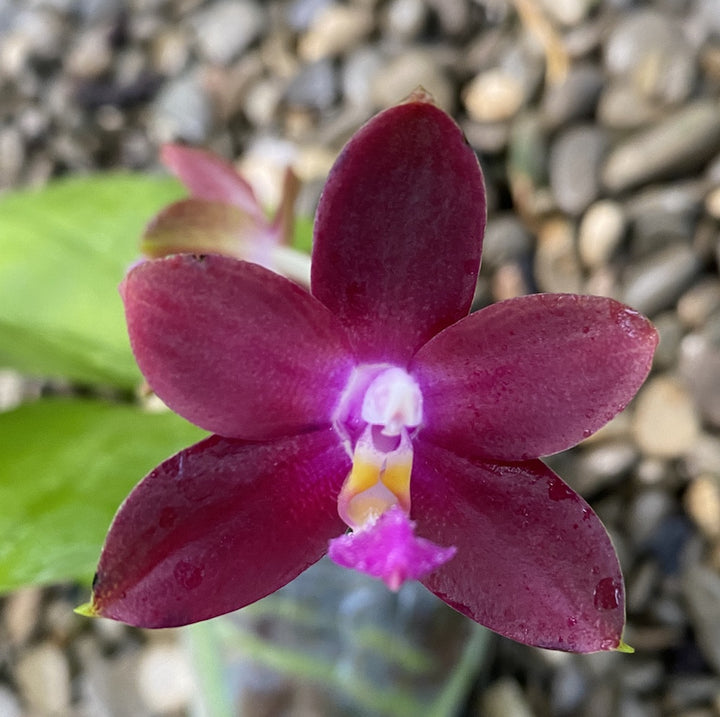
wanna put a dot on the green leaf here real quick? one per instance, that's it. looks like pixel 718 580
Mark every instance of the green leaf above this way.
pixel 66 467
pixel 303 234
pixel 63 251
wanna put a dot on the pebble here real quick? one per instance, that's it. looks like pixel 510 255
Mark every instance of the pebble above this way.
pixel 574 99
pixel 701 589
pixel 262 101
pixel 705 459
pixel 575 159
pixel 493 96
pixel 358 72
pixel 681 143
pixel 504 698
pixel 601 465
pixel 165 678
pixel 9 705
pixel 621 108
pixel 12 156
pixel 699 365
pixel 404 20
pixel 314 87
pixel 181 111
pixel 699 303
pixel 398 76
pixel 569 688
pixel 107 685
pixel 567 12
pixel 671 333
pixel 647 47
pixel 655 282
pixel 665 423
pixel 557 268
pixel 170 51
pixel 506 239
pixel 91 56
pixel 43 675
pixel 642 586
pixel 702 503
pixel 600 232
pixel 21 612
pixel 226 28
pixel 334 30
pixel 662 214
pixel 647 510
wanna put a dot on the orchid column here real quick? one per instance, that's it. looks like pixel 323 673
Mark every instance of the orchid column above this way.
pixel 374 403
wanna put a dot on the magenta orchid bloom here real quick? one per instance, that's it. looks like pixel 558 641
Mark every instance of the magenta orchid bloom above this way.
pixel 375 403
pixel 222 215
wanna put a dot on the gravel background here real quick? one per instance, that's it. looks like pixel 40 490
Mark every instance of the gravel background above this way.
pixel 597 123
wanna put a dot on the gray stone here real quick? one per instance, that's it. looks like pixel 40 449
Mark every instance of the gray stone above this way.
pixel 43 675
pixel 600 232
pixel 505 698
pixel 399 76
pixel 671 332
pixel 314 87
pixel 620 107
pixel 165 679
pixel 12 156
pixel 648 49
pixel 655 282
pixel 557 268
pixel 301 13
pixel 567 12
pixel 661 214
pixel 404 20
pixel 665 422
pixel 702 504
pixel 699 365
pixel 700 303
pixel 225 29
pixel 182 111
pixel 684 141
pixel 701 589
pixel 601 465
pixel 506 239
pixel 9 705
pixel 335 30
pixel 573 99
pixel 646 512
pixel 575 159
pixel 358 71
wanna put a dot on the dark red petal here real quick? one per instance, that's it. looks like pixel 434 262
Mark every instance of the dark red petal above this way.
pixel 533 562
pixel 533 375
pixel 218 526
pixel 208 176
pixel 233 347
pixel 398 231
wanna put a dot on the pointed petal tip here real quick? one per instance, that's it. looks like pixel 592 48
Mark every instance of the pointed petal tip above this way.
pixel 624 647
pixel 419 94
pixel 87 609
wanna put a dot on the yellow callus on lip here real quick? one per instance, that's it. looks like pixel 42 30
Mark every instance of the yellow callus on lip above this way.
pixel 378 481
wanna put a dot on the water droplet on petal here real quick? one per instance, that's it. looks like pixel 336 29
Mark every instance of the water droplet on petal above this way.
pixel 557 490
pixel 607 594
pixel 187 575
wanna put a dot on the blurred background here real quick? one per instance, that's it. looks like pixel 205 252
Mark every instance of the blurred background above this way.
pixel 597 124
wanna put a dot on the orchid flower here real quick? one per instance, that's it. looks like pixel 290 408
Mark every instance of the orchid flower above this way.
pixel 223 216
pixel 373 418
